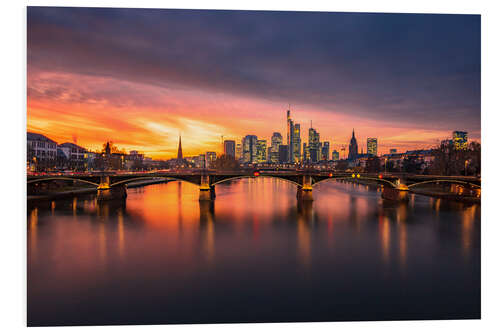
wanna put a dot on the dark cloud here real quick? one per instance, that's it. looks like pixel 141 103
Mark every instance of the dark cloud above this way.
pixel 402 67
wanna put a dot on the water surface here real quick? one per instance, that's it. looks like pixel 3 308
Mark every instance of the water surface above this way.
pixel 254 255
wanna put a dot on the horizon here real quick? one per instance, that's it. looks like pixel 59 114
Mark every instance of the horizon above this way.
pixel 141 77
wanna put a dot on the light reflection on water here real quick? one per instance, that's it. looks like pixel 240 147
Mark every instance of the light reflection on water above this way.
pixel 162 256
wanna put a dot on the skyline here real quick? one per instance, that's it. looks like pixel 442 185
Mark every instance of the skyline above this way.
pixel 377 73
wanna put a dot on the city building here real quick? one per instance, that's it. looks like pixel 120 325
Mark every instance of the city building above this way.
pixel 261 151
pixel 335 155
pixel 353 147
pixel 249 154
pixel 211 156
pixel 460 140
pixel 40 146
pixel 276 141
pixel 72 151
pixel 283 154
pixel 371 146
pixel 393 151
pixel 314 145
pixel 230 148
pixel 239 151
pixel 306 157
pixel 296 143
pixel 325 151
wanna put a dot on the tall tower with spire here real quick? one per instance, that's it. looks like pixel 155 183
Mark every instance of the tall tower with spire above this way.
pixel 353 147
pixel 179 150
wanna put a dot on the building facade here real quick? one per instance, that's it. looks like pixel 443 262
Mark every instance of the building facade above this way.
pixel 230 148
pixel 353 148
pixel 249 154
pixel 460 140
pixel 371 146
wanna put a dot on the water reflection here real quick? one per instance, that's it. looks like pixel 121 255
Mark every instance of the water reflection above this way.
pixel 170 251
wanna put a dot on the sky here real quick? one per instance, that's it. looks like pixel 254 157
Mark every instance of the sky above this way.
pixel 142 77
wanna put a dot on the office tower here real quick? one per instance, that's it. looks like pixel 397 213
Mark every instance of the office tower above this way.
pixel 460 140
pixel 371 146
pixel 393 151
pixel 306 157
pixel 276 141
pixel 353 147
pixel 261 156
pixel 239 151
pixel 296 143
pixel 335 155
pixel 325 151
pixel 283 154
pixel 230 148
pixel 314 145
pixel 249 149
pixel 289 135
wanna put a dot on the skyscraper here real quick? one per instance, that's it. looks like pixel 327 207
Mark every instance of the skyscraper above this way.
pixel 210 158
pixel 353 147
pixel 460 140
pixel 230 148
pixel 276 141
pixel 289 135
pixel 325 151
pixel 371 146
pixel 296 143
pixel 239 151
pixel 261 156
pixel 314 145
pixel 249 149
pixel 283 154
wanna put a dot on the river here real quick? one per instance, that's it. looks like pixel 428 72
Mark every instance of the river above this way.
pixel 255 255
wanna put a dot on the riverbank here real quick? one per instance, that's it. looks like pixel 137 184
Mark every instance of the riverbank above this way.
pixel 85 191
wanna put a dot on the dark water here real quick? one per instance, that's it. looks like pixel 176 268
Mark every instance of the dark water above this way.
pixel 161 257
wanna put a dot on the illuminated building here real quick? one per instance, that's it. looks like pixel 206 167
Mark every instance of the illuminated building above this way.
pixel 249 149
pixel 293 139
pixel 296 143
pixel 371 146
pixel 325 151
pixel 353 147
pixel 393 151
pixel 305 153
pixel 239 151
pixel 261 151
pixel 276 141
pixel 230 148
pixel 211 156
pixel 335 155
pixel 460 140
pixel 314 145
pixel 283 154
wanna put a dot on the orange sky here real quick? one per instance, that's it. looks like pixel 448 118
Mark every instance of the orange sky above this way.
pixel 148 118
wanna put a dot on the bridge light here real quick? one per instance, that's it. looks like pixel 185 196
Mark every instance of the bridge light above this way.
pixel 380 176
pixel 256 174
pixel 357 175
pixel 353 176
pixel 330 174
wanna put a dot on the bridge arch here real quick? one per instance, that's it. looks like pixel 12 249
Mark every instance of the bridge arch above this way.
pixel 437 181
pixel 125 181
pixel 379 180
pixel 39 180
pixel 260 176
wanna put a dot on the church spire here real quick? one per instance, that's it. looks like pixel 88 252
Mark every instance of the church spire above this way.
pixel 179 151
pixel 353 132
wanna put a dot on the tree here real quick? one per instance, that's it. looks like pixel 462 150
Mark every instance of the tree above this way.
pixel 226 162
pixel 449 161
pixel 373 164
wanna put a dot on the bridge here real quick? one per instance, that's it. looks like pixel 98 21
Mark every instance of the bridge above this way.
pixel 112 185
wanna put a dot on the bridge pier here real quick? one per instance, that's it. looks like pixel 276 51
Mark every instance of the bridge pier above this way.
pixel 106 192
pixel 207 191
pixel 112 193
pixel 399 193
pixel 304 192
